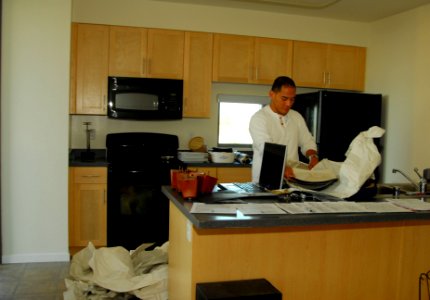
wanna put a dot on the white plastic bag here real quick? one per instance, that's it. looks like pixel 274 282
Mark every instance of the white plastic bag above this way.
pixel 362 158
pixel 112 272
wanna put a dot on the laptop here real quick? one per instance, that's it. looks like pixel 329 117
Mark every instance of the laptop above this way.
pixel 271 175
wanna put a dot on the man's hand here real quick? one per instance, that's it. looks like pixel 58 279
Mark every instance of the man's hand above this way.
pixel 312 155
pixel 288 173
pixel 313 161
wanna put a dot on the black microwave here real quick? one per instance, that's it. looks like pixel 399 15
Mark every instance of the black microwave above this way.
pixel 144 98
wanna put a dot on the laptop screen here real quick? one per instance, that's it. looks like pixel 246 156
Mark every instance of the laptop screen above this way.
pixel 272 166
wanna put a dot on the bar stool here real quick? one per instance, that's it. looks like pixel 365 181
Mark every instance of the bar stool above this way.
pixel 255 289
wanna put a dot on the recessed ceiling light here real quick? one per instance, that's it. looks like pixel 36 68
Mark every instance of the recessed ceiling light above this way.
pixel 297 3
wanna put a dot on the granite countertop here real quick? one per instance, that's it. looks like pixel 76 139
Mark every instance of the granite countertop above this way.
pixel 98 161
pixel 213 221
pixel 218 165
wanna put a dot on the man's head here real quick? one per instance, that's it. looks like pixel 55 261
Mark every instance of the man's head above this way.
pixel 282 95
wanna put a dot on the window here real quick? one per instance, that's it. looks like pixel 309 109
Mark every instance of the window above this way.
pixel 234 114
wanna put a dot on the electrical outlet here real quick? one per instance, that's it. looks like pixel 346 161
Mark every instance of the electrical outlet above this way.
pixel 92 134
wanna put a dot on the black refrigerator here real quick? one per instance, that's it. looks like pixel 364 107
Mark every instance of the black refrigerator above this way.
pixel 336 118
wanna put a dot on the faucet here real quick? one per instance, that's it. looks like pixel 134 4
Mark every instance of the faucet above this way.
pixel 421 186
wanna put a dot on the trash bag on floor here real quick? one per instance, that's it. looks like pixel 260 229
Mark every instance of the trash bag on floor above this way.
pixel 115 273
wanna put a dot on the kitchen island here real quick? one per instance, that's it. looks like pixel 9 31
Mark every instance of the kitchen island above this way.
pixel 311 256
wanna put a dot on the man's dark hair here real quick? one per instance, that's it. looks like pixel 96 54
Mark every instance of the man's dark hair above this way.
pixel 282 81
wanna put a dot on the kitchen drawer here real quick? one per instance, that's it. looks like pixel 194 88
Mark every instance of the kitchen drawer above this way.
pixel 89 174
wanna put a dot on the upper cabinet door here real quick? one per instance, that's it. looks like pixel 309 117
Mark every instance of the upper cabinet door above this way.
pixel 346 65
pixel 309 64
pixel 273 58
pixel 233 56
pixel 165 56
pixel 248 59
pixel 140 52
pixel 329 66
pixel 127 51
pixel 197 74
pixel 89 68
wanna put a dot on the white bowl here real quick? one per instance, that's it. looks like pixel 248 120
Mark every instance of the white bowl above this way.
pixel 222 157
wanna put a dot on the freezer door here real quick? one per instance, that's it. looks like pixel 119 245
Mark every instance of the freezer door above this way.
pixel 336 118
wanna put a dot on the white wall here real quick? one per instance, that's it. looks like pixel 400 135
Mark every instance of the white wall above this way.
pixel 398 66
pixel 34 129
pixel 161 14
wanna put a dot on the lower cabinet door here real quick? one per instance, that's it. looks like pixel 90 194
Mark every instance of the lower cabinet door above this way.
pixel 234 174
pixel 87 211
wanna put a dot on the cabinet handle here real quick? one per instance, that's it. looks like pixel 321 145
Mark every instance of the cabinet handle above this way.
pixel 104 197
pixel 328 79
pixel 256 73
pixel 143 66
pixel 90 176
pixel 324 79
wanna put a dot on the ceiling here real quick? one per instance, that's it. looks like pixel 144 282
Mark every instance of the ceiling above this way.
pixel 352 10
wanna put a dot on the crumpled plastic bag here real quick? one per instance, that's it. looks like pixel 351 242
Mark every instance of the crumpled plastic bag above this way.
pixel 362 158
pixel 114 273
pixel 321 172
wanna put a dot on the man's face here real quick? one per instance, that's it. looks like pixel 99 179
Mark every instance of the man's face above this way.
pixel 283 100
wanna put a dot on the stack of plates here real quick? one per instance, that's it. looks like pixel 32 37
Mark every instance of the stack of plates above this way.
pixel 311 185
pixel 189 156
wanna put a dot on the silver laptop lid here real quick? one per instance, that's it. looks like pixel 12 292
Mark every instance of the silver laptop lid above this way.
pixel 273 166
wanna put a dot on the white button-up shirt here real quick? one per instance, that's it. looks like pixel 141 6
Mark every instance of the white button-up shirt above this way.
pixel 290 130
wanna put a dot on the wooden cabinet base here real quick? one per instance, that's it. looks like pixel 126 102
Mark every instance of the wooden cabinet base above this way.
pixel 87 206
pixel 352 261
pixel 74 250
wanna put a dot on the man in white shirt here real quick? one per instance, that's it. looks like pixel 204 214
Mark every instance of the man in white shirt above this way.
pixel 278 123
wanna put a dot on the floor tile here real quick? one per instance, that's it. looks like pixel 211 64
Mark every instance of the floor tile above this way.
pixel 33 281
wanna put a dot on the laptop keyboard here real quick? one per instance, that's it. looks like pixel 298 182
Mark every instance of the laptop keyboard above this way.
pixel 248 186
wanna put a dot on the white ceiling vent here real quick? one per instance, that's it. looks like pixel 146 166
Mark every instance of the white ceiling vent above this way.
pixel 296 3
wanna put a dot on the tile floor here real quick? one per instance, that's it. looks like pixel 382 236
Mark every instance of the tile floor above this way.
pixel 34 281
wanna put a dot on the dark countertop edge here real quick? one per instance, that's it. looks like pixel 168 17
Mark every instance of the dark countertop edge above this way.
pixel 88 164
pixel 202 221
pixel 99 161
pixel 217 165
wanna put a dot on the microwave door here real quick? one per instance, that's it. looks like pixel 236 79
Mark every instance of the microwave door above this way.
pixel 136 101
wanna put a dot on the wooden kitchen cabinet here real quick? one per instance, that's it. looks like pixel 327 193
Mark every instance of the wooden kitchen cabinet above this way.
pixel 232 58
pixel 273 58
pixel 197 74
pixel 346 65
pixel 329 66
pixel 141 52
pixel 89 69
pixel 127 51
pixel 247 59
pixel 226 174
pixel 233 174
pixel 87 206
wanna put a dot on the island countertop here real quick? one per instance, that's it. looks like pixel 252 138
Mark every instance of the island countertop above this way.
pixel 215 221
